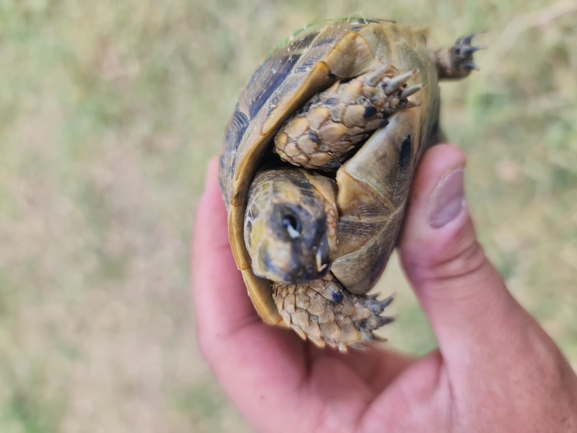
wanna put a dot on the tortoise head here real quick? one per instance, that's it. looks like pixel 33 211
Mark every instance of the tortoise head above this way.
pixel 290 225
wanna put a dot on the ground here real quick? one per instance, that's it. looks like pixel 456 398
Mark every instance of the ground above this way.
pixel 109 111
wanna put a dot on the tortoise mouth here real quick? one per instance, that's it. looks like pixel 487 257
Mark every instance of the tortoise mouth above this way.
pixel 309 263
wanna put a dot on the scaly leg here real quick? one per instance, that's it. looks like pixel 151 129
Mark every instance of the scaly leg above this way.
pixel 336 121
pixel 457 61
pixel 327 314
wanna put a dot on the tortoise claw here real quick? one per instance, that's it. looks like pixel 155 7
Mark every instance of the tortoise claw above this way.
pixel 376 306
pixel 359 346
pixel 387 301
pixel 471 50
pixel 463 53
pixel 410 104
pixel 398 81
pixel 411 90
pixel 378 74
pixel 375 322
pixel 457 61
pixel 471 66
pixel 377 337
pixel 307 309
pixel 466 40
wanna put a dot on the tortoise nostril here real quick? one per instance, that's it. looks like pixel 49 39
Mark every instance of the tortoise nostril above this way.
pixel 292 225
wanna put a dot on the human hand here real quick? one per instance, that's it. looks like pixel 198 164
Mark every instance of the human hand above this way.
pixel 496 370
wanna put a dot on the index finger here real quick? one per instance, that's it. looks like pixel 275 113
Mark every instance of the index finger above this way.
pixel 264 369
pixel 231 335
pixel 222 304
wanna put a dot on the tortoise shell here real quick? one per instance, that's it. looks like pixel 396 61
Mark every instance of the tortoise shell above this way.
pixel 308 62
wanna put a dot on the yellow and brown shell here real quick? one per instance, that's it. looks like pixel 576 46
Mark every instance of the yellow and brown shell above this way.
pixel 374 185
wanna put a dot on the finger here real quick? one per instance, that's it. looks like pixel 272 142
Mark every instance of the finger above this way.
pixel 377 366
pixel 463 296
pixel 245 354
pixel 249 356
pixel 224 312
pixel 221 304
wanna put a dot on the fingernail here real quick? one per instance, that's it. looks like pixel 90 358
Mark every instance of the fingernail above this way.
pixel 447 199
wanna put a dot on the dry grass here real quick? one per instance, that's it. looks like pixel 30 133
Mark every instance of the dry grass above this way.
pixel 109 111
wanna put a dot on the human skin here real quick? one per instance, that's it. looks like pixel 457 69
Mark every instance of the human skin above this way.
pixel 495 369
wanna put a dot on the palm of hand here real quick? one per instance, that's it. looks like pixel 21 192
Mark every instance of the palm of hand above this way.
pixel 318 390
pixel 495 370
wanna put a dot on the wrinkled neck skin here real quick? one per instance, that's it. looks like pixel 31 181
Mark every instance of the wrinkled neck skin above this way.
pixel 290 225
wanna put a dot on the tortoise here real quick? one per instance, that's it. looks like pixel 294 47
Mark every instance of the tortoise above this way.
pixel 317 162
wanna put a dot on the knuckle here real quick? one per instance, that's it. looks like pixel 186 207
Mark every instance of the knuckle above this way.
pixel 456 258
pixel 459 263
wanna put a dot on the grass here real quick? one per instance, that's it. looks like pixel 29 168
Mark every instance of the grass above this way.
pixel 108 113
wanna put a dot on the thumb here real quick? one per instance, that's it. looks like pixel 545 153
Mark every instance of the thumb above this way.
pixel 463 296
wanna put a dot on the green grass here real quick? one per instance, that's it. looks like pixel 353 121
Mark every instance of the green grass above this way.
pixel 109 111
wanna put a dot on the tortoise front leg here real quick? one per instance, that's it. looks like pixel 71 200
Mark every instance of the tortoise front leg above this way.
pixel 457 61
pixel 327 314
pixel 338 120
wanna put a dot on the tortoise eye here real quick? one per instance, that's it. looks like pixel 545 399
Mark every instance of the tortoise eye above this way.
pixel 292 225
pixel 287 222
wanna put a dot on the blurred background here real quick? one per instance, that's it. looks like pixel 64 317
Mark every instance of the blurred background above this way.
pixel 109 111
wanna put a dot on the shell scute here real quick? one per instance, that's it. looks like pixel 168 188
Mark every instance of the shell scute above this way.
pixel 373 184
pixel 279 86
pixel 272 76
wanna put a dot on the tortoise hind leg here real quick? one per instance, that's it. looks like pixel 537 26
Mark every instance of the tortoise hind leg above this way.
pixel 457 61
pixel 327 314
